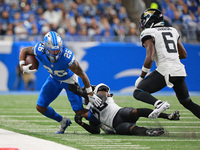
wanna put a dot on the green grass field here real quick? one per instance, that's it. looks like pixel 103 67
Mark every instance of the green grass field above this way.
pixel 18 113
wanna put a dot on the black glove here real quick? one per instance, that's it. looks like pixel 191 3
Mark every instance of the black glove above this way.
pixel 78 90
pixel 78 119
pixel 75 88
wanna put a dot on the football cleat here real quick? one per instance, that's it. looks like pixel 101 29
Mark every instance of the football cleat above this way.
pixel 155 132
pixel 159 108
pixel 63 125
pixel 174 116
pixel 157 129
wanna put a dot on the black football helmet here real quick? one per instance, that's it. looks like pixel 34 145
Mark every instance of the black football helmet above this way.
pixel 151 18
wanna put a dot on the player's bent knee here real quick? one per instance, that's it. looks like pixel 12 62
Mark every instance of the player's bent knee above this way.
pixel 136 93
pixel 184 101
pixel 123 128
pixel 41 109
pixel 134 111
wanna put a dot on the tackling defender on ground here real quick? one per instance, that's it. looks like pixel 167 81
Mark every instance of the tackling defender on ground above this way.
pixel 115 119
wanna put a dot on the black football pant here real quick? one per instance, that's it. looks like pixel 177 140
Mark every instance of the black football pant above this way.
pixel 155 82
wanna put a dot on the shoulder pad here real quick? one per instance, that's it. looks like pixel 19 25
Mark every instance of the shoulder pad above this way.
pixel 147 34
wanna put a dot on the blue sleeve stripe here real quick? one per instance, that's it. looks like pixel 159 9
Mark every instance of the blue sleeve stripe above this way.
pixel 35 48
pixel 72 61
pixel 34 52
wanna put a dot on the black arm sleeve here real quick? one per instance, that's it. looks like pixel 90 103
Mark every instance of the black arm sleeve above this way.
pixel 146 38
pixel 91 128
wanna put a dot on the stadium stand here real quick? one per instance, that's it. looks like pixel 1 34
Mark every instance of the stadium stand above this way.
pixel 98 20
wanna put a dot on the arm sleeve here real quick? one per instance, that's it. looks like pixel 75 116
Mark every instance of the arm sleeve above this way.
pixel 69 56
pixel 147 34
pixel 38 49
pixel 92 128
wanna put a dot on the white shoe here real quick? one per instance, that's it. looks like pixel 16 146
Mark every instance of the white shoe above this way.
pixel 159 108
pixel 63 125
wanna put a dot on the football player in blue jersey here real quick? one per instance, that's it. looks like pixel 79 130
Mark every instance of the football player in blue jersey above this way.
pixel 64 70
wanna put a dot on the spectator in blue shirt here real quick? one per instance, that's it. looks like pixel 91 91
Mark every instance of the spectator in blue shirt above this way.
pixel 25 14
pixel 4 20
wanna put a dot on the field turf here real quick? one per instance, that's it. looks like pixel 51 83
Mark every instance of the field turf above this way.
pixel 18 113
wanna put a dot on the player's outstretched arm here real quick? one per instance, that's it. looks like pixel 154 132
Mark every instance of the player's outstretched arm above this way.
pixel 181 50
pixel 150 52
pixel 78 90
pixel 76 68
pixel 92 128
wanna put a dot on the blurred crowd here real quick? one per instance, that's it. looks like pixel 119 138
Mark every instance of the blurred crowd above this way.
pixel 183 15
pixel 92 18
pixel 67 17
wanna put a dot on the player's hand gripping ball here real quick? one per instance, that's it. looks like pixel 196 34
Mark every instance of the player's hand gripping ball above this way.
pixel 30 59
pixel 31 64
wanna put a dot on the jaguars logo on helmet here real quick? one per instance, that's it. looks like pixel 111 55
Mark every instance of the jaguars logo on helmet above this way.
pixel 151 18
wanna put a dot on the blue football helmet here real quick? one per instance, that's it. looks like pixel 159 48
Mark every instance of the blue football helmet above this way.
pixel 151 18
pixel 53 44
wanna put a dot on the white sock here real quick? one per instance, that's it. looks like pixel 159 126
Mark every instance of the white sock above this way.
pixel 157 102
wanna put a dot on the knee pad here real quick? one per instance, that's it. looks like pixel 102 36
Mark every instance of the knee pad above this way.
pixel 123 128
pixel 136 93
pixel 184 101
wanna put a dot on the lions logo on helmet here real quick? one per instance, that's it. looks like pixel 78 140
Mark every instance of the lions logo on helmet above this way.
pixel 53 45
pixel 151 18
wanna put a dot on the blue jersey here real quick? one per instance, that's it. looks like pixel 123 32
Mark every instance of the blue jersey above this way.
pixel 59 70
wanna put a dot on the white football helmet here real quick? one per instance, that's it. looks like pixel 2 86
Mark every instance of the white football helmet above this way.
pixel 101 87
pixel 53 44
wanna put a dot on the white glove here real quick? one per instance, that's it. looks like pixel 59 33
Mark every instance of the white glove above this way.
pixel 138 81
pixel 27 70
pixel 95 100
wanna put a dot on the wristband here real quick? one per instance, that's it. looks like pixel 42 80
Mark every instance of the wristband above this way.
pixel 89 89
pixel 144 69
pixel 21 62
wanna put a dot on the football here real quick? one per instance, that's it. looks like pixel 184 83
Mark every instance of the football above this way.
pixel 30 59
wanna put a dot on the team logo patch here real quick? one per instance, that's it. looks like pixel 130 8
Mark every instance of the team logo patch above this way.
pixel 149 13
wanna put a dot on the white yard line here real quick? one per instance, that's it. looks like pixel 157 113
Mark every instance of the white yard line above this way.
pixel 9 139
pixel 117 147
pixel 153 139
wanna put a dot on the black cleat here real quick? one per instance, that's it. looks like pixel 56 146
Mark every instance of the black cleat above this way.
pixel 174 116
pixel 155 132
